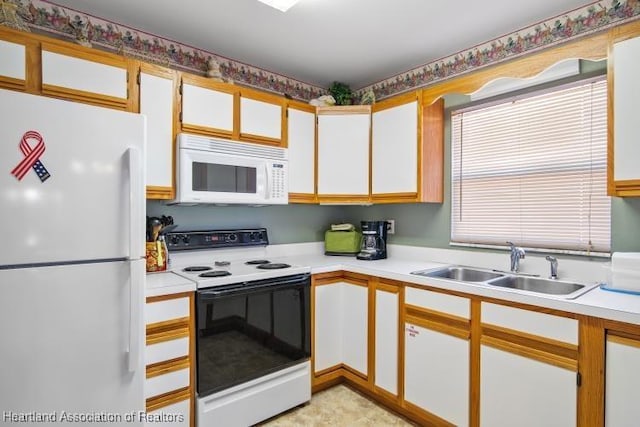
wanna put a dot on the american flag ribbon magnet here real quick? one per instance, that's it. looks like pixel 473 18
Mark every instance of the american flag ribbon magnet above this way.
pixel 31 158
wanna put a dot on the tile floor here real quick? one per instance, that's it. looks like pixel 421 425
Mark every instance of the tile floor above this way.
pixel 338 406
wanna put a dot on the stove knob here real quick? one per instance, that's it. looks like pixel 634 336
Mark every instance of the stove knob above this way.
pixel 174 240
pixel 186 239
pixel 232 237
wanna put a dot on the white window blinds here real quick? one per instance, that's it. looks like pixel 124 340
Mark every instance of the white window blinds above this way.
pixel 533 171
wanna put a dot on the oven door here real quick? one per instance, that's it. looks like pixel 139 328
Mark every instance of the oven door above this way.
pixel 207 177
pixel 251 329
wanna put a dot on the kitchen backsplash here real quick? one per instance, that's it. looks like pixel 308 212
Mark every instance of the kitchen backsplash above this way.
pixel 286 224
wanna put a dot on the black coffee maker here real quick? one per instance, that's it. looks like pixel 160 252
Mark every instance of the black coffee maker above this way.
pixel 374 240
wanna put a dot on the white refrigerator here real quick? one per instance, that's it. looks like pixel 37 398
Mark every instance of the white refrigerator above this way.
pixel 72 264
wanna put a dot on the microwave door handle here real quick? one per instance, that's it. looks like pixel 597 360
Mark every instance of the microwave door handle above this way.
pixel 267 179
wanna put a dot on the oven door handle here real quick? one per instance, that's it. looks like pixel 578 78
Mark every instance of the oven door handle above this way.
pixel 251 287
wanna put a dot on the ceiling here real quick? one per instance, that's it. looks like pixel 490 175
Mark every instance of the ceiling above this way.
pixel 358 42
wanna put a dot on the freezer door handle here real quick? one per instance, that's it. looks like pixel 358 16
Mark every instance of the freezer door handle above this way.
pixel 136 201
pixel 135 314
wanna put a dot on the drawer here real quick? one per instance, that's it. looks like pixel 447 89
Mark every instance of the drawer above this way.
pixel 165 383
pixel 531 322
pixel 170 309
pixel 166 350
pixel 444 303
pixel 174 415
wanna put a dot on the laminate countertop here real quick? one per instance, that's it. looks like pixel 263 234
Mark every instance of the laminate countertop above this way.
pixel 597 302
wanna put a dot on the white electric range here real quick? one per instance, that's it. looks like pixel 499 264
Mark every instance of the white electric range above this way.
pixel 253 325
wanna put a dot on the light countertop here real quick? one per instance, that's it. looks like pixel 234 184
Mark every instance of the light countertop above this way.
pixel 167 283
pixel 597 302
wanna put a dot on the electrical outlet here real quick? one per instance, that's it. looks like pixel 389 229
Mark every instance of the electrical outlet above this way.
pixel 391 226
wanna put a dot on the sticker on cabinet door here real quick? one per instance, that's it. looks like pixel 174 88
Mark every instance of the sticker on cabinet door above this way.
pixel 412 331
pixel 31 158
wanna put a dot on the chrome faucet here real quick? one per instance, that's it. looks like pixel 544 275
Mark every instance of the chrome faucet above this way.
pixel 516 255
pixel 554 266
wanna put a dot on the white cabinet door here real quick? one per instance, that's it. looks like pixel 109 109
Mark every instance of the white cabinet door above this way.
pixel 518 391
pixel 394 145
pixel 626 103
pixel 156 102
pixel 341 326
pixel 328 326
pixel 61 73
pixel 622 391
pixel 14 59
pixel 437 374
pixel 260 118
pixel 386 369
pixel 354 326
pixel 205 107
pixel 343 154
pixel 301 144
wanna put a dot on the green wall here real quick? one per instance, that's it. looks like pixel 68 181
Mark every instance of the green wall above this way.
pixel 286 224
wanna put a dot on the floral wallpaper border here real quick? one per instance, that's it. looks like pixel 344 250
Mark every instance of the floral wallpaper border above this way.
pixel 589 19
pixel 47 17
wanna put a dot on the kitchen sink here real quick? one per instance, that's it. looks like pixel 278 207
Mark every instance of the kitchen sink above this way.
pixel 463 274
pixel 506 280
pixel 567 290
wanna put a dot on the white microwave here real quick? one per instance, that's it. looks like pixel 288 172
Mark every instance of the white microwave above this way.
pixel 229 172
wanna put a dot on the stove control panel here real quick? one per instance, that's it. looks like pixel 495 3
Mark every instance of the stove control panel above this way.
pixel 211 239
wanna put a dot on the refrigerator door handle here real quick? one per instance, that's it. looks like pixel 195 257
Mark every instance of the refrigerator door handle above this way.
pixel 135 247
pixel 135 314
pixel 136 204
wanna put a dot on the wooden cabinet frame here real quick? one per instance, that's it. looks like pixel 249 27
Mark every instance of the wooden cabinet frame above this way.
pixel 93 55
pixel 344 198
pixel 268 98
pixel 205 83
pixel 157 192
pixel 170 330
pixel 33 76
pixel 302 106
pixel 430 151
pixel 621 188
pixel 586 359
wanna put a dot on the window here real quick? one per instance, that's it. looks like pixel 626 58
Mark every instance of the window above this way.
pixel 533 170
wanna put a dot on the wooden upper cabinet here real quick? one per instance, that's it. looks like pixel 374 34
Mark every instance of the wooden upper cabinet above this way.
pixel 85 75
pixel 261 117
pixel 343 153
pixel 13 67
pixel 394 149
pixel 407 150
pixel 624 103
pixel 157 101
pixel 301 142
pixel 209 107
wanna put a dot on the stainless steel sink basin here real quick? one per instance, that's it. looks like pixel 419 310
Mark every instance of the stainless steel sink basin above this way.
pixel 463 274
pixel 506 280
pixel 567 290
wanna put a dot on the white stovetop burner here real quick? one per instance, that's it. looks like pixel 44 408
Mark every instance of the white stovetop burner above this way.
pixel 228 261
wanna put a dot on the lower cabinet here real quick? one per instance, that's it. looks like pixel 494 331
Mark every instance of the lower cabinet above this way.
pixel 170 361
pixel 436 373
pixel 518 391
pixel 451 359
pixel 387 320
pixel 437 356
pixel 341 325
pixel 622 389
